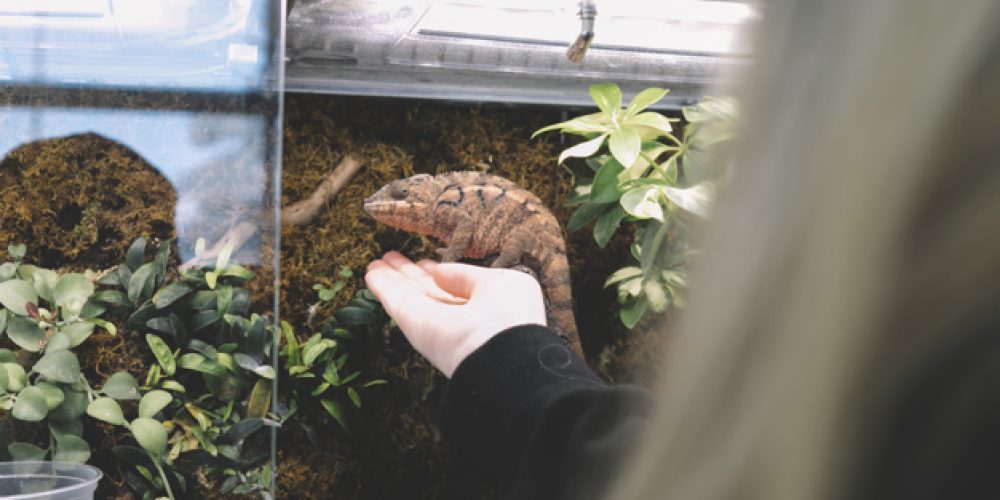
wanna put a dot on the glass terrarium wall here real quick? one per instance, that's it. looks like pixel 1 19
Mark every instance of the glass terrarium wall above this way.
pixel 513 51
pixel 141 143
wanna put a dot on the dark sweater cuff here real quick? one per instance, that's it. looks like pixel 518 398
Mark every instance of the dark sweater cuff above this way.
pixel 498 388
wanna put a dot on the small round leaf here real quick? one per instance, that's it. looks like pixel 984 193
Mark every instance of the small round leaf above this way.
pixel 61 366
pixel 121 385
pixel 106 409
pixel 154 401
pixel 151 435
pixel 30 405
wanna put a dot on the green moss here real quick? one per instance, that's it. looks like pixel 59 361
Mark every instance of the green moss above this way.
pixel 74 200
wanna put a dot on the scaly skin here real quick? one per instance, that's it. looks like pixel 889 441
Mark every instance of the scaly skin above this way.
pixel 479 215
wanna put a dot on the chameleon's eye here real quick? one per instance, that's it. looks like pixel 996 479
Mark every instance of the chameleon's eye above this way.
pixel 397 192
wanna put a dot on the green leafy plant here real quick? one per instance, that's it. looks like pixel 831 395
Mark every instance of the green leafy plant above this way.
pixel 315 367
pixel 46 314
pixel 645 175
pixel 212 381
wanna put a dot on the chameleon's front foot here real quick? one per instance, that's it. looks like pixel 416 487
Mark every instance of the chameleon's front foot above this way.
pixel 448 255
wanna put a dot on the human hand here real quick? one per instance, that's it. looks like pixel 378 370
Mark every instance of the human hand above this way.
pixel 448 310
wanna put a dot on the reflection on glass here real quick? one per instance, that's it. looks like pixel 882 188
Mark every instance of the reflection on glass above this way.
pixel 219 178
pixel 190 44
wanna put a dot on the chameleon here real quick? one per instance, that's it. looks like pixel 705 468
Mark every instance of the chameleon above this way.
pixel 479 215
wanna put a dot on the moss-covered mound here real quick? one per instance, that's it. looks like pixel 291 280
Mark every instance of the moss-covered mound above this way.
pixel 75 200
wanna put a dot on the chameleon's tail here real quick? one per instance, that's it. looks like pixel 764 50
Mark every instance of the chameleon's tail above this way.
pixel 559 295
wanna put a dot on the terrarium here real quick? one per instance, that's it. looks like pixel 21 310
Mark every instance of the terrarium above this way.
pixel 184 236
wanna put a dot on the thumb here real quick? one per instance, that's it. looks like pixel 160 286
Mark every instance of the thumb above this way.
pixel 457 279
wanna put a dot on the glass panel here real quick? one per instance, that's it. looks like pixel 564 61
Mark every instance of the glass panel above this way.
pixel 140 169
pixel 513 51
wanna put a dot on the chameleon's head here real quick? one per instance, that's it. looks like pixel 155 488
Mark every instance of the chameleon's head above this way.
pixel 405 203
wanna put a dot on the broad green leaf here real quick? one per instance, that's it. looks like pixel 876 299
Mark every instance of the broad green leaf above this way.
pixel 26 334
pixel 141 283
pixel 154 401
pixel 61 366
pixel 583 215
pixel 645 99
pixel 607 96
pixel 4 379
pixel 71 448
pixel 695 199
pixel 625 145
pixel 584 149
pixel 265 371
pixel 121 385
pixel 170 294
pixel 30 405
pixel 631 315
pixel 3 320
pixel 172 385
pixel 623 274
pixel 236 434
pixel 652 239
pixel 150 435
pixel 164 356
pixel 198 363
pixel 582 125
pixel 203 347
pixel 111 278
pixel 16 377
pixel 73 406
pixel 60 428
pixel 77 332
pixel 113 297
pixel 260 399
pixel 314 351
pixel 607 224
pixel 355 397
pixel 8 270
pixel 203 319
pixel 92 309
pixel 136 254
pixel 57 341
pixel 53 394
pixel 246 362
pixel 44 281
pixel 15 293
pixel 336 411
pixel 643 202
pixel 605 187
pixel 160 260
pixel 7 356
pixel 237 271
pixel 203 299
pixel 223 260
pixel 71 293
pixel 650 125
pixel 26 452
pixel 211 279
pixel 106 409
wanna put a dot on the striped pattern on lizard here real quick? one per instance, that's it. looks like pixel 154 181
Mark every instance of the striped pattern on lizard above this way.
pixel 479 215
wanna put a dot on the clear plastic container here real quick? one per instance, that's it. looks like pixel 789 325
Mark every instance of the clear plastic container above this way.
pixel 48 481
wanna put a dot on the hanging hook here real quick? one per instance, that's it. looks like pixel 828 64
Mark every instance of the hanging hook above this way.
pixel 587 14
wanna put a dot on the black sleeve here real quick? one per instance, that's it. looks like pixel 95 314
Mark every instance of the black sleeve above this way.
pixel 530 412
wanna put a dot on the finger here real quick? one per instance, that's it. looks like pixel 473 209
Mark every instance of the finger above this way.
pixel 458 279
pixel 418 274
pixel 427 265
pixel 399 295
